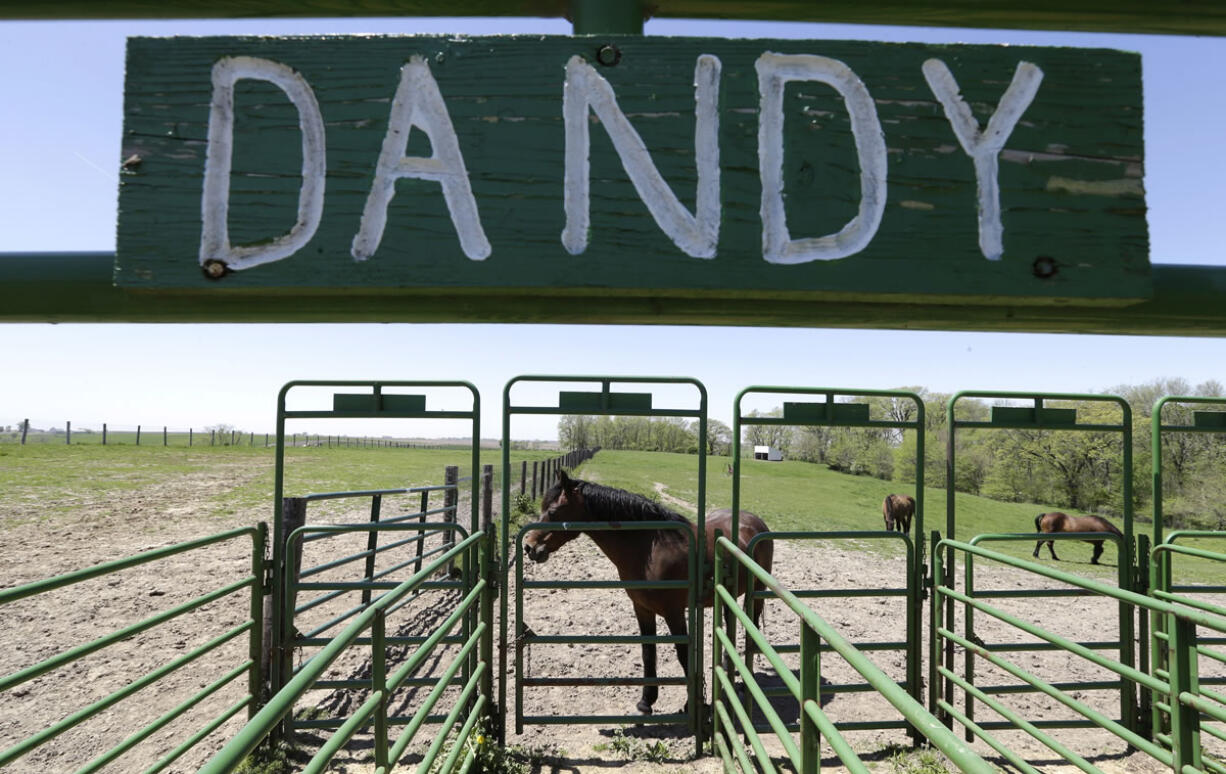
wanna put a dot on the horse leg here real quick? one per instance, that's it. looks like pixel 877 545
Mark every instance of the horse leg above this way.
pixel 1098 551
pixel 1051 548
pixel 647 627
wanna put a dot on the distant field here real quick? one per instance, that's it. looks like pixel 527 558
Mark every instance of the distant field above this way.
pixel 803 496
pixel 46 482
pixel 41 481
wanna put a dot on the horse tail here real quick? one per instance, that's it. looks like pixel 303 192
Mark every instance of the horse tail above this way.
pixel 1038 522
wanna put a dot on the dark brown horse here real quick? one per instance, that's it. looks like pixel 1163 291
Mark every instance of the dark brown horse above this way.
pixel 898 510
pixel 650 555
pixel 1055 521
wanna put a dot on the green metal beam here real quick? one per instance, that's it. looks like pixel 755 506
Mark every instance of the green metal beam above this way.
pixel 1189 17
pixel 76 287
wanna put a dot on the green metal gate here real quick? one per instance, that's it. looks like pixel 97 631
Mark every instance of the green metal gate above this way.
pixel 1171 550
pixel 1031 411
pixel 352 400
pixel 605 401
pixel 833 412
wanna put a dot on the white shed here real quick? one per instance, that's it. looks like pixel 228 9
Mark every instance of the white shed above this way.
pixel 768 453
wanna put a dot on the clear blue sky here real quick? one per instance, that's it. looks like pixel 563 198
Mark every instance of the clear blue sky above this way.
pixel 59 151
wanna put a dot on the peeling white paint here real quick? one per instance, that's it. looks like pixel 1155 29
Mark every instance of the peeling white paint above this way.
pixel 215 199
pixel 1121 187
pixel 419 103
pixel 774 72
pixel 696 235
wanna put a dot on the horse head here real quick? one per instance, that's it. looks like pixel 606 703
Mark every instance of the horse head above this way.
pixel 563 502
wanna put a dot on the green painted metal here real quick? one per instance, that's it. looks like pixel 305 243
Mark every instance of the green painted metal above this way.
pixel 1039 415
pixel 282 703
pixel 77 287
pixel 1122 645
pixel 910 644
pixel 1179 686
pixel 1167 715
pixel 1194 17
pixel 525 639
pixel 251 628
pixel 1073 160
pixel 803 756
pixel 1203 422
pixel 830 412
pixel 609 401
pixel 379 400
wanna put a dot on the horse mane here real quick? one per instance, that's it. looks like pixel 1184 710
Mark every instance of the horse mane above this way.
pixel 606 503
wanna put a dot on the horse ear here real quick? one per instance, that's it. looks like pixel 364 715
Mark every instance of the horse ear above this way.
pixel 563 479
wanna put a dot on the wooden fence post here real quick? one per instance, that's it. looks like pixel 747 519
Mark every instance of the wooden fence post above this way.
pixel 138 435
pixel 25 428
pixel 68 433
pixel 523 476
pixel 279 608
pixel 104 433
pixel 165 436
pixel 451 476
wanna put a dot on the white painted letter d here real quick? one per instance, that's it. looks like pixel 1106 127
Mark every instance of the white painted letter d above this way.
pixel 215 202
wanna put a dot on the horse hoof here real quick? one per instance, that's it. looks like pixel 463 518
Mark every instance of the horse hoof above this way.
pixel 644 708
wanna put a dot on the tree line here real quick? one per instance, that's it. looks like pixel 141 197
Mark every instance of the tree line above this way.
pixel 1078 471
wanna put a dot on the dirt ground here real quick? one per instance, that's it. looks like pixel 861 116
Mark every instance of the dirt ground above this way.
pixel 149 518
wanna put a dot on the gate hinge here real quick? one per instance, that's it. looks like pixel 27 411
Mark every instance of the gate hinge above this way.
pixel 268 574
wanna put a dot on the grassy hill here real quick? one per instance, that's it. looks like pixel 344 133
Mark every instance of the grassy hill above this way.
pixel 803 496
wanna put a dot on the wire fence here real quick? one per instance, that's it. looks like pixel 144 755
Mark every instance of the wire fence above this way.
pixel 107 434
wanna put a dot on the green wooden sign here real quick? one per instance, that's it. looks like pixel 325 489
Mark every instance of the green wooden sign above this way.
pixel 617 167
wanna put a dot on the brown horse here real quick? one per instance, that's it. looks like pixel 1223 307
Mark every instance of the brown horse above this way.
pixel 650 555
pixel 1055 521
pixel 898 510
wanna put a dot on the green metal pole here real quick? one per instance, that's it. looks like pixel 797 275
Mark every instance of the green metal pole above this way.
pixel 609 17
pixel 810 690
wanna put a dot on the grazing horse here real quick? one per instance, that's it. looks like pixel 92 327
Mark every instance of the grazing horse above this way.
pixel 650 555
pixel 898 510
pixel 1056 521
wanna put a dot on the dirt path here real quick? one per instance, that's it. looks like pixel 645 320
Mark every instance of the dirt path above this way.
pixel 178 509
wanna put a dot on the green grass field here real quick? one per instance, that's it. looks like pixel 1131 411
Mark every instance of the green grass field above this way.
pixel 802 496
pixel 44 482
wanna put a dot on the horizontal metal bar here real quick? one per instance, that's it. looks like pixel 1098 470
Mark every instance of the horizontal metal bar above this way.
pixel 318 641
pixel 31 742
pixel 377 415
pixel 581 584
pixel 78 287
pixel 674 718
pixel 168 717
pixel 377 585
pixel 604 639
pixel 543 682
pixel 832 593
pixel 197 737
pixel 1196 17
pixel 106 568
pixel 792 647
pixel 68 656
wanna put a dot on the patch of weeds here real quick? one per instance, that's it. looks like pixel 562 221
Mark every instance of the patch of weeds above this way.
pixel 267 759
pixel 493 759
pixel 524 503
pixel 907 761
pixel 634 748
